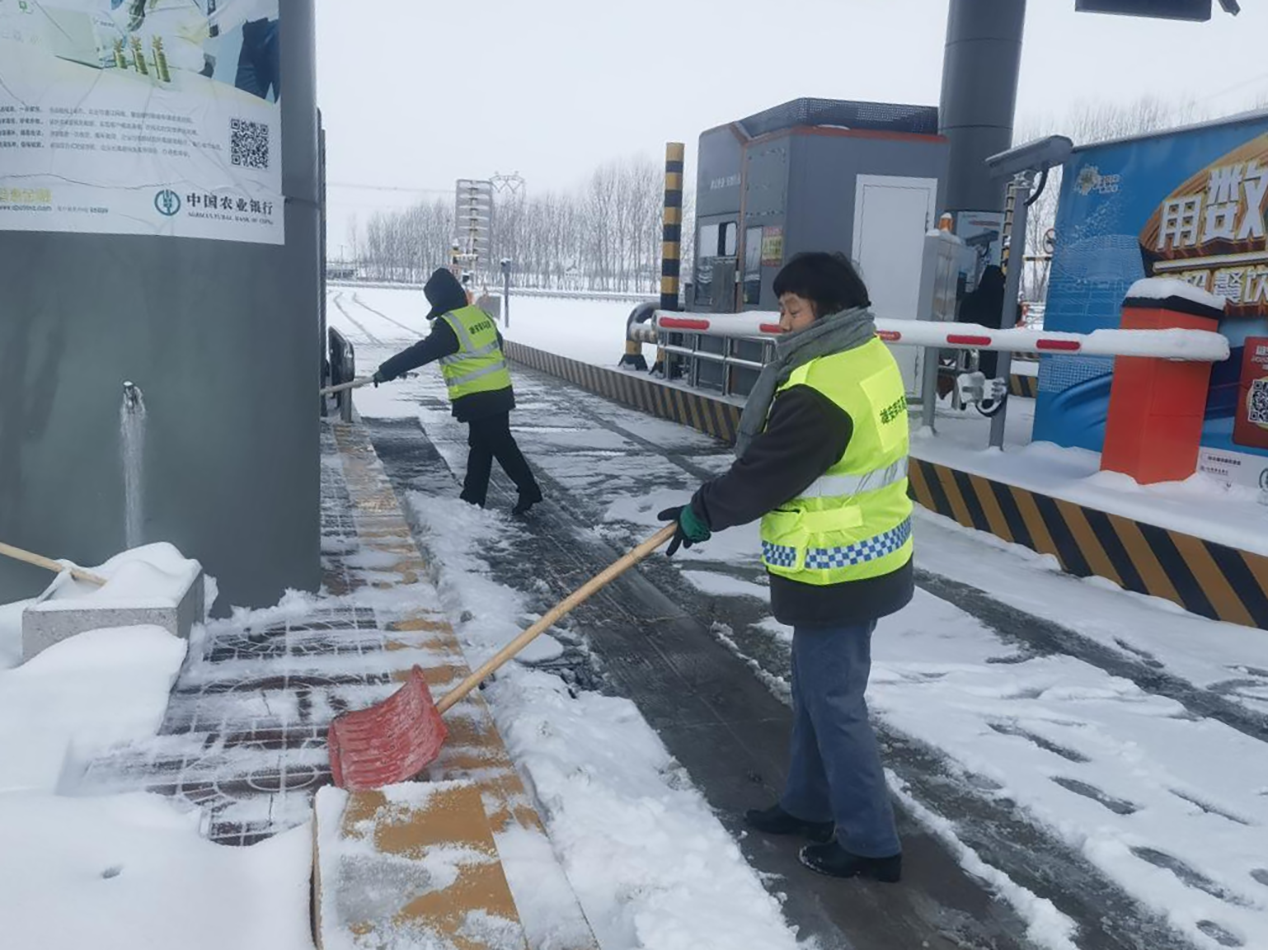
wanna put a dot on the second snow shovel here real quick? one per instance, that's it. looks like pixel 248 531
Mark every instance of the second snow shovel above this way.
pixel 49 564
pixel 396 739
pixel 355 384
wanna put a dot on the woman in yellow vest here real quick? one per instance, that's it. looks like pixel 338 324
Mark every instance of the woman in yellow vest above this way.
pixel 468 346
pixel 822 460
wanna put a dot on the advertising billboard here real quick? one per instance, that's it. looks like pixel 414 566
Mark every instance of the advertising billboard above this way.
pixel 1191 205
pixel 156 117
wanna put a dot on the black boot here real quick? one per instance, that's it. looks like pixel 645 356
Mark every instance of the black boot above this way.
pixel 526 501
pixel 776 821
pixel 835 861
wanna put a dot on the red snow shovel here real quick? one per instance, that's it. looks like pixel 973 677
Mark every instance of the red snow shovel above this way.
pixel 397 738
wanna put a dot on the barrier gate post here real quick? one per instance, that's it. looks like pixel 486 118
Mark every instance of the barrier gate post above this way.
pixel 1018 194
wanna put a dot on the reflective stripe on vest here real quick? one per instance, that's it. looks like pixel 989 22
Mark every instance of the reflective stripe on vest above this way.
pixel 829 485
pixel 478 365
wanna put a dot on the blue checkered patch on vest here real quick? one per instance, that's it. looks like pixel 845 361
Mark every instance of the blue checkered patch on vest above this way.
pixel 824 559
pixel 777 555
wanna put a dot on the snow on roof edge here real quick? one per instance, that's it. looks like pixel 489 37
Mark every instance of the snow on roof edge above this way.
pixel 1160 288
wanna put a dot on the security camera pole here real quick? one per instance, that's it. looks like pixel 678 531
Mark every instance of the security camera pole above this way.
pixel 1022 164
pixel 1015 249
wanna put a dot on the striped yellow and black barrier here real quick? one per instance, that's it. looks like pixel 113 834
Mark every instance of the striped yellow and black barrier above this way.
pixel 671 226
pixel 671 235
pixel 1209 579
pixel 1027 386
pixel 1206 578
pixel 712 416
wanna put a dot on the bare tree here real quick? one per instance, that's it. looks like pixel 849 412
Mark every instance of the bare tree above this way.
pixel 603 236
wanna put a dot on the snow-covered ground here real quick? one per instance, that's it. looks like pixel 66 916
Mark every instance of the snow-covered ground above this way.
pixel 1137 742
pixel 120 871
pixel 1166 798
pixel 649 862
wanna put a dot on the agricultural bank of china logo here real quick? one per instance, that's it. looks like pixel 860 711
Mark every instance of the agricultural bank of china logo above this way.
pixel 167 202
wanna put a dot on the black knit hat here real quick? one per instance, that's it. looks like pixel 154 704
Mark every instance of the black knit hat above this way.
pixel 444 293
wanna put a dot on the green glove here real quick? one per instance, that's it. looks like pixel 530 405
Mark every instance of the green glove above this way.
pixel 691 528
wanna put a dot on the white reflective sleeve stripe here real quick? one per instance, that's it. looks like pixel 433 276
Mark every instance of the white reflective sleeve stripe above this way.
pixel 837 486
pixel 476 374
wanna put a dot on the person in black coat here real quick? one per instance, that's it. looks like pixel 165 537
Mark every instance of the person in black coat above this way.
pixel 984 305
pixel 487 414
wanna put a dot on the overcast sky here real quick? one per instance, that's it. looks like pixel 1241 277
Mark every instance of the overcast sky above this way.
pixel 418 93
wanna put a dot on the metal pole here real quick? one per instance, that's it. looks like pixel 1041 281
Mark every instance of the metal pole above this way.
pixel 929 389
pixel 980 69
pixel 324 371
pixel 1021 188
pixel 506 296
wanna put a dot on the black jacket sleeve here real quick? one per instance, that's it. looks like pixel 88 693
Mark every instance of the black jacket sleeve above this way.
pixel 806 434
pixel 441 342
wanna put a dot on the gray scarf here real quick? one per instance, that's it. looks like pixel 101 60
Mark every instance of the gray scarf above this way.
pixel 834 333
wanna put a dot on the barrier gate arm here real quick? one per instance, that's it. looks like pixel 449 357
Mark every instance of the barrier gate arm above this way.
pixel 1201 346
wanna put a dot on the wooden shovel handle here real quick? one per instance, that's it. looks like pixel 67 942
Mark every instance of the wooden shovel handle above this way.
pixel 355 384
pixel 561 609
pixel 49 564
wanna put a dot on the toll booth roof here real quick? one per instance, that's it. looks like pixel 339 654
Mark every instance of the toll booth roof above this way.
pixel 871 116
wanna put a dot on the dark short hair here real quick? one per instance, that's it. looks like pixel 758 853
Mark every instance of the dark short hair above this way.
pixel 829 281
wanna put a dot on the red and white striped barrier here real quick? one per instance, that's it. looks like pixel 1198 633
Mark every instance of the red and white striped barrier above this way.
pixel 1200 346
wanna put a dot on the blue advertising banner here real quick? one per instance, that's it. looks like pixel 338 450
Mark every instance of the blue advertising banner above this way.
pixel 1189 205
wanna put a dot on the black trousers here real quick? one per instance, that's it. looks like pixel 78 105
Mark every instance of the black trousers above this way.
pixel 490 438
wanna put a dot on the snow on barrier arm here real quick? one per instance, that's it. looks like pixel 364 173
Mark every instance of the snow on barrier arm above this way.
pixel 1203 346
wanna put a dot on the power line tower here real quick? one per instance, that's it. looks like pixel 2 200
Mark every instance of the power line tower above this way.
pixel 512 185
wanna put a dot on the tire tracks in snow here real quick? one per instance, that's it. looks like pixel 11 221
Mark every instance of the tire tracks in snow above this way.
pixel 1040 637
pixel 378 313
pixel 1035 634
pixel 337 300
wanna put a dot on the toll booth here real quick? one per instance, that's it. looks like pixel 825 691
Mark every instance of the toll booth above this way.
pixel 865 178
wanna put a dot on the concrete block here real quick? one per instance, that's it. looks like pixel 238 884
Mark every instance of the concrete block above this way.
pixel 145 587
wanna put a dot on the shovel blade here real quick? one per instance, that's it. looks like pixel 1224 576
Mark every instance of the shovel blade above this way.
pixel 388 742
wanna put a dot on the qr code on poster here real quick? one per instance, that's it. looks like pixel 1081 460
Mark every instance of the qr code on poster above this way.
pixel 1257 410
pixel 249 143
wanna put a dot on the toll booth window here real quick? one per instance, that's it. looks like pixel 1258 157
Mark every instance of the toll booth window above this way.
pixel 706 250
pixel 712 241
pixel 753 265
pixel 707 246
pixel 727 246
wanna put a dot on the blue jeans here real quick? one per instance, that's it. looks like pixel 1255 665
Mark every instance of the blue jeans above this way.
pixel 835 773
